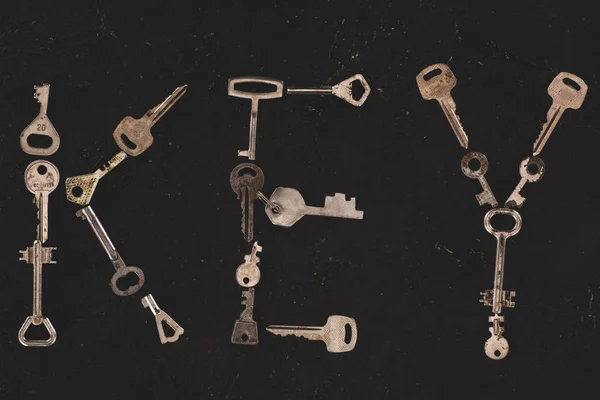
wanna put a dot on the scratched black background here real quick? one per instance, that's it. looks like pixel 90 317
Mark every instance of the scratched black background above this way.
pixel 410 272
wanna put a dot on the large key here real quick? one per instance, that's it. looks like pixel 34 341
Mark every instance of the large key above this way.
pixel 339 333
pixel 531 169
pixel 254 98
pixel 41 178
pixel 342 90
pixel 487 196
pixel 248 274
pixel 567 91
pixel 41 126
pixel 121 269
pixel 133 136
pixel 245 330
pixel 287 206
pixel 246 181
pixel 160 316
pixel 436 82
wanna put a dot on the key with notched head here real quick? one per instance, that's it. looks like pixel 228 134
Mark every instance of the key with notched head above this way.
pixel 41 178
pixel 245 330
pixel 487 196
pixel 41 126
pixel 532 170
pixel 246 181
pixel 248 274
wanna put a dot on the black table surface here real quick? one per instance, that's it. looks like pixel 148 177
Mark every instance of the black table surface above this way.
pixel 410 273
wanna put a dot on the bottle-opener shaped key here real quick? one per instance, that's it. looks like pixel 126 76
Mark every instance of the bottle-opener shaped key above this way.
pixel 287 206
pixel 254 98
pixel 245 330
pixel 436 82
pixel 246 181
pixel 532 170
pixel 248 273
pixel 133 136
pixel 121 269
pixel 160 316
pixel 339 333
pixel 41 178
pixel 342 90
pixel 496 347
pixel 478 172
pixel 41 126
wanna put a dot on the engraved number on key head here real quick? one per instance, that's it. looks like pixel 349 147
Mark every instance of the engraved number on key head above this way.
pixel 246 181
pixel 41 126
pixel 532 170
pixel 245 330
pixel 342 90
pixel 485 197
pixel 248 273
pixel 160 316
pixel 41 178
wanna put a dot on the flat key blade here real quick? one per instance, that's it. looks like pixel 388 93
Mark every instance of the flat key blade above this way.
pixel 307 332
pixel 41 200
pixel 157 112
pixel 449 107
pixel 552 119
pixel 247 205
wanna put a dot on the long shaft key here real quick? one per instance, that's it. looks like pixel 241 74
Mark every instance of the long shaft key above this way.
pixel 342 90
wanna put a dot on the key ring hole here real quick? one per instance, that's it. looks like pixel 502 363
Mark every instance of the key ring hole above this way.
pixel 474 164
pixel 77 191
pixel 38 141
pixel 497 353
pixel 246 280
pixel 571 83
pixel 42 169
pixel 128 142
pixel 509 222
pixel 244 337
pixel 247 171
pixel 432 74
pixel 256 87
pixel 126 281
pixel 348 333
pixel 358 90
pixel 532 169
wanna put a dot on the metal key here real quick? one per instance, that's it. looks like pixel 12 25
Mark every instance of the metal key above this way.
pixel 516 199
pixel 245 330
pixel 246 181
pixel 487 196
pixel 80 189
pixel 496 347
pixel 564 95
pixel 334 333
pixel 342 90
pixel 439 87
pixel 121 269
pixel 289 207
pixel 254 98
pixel 160 316
pixel 248 273
pixel 41 178
pixel 133 136
pixel 41 126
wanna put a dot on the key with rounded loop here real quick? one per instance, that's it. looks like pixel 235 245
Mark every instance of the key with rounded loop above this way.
pixel 532 170
pixel 41 178
pixel 246 181
pixel 254 97
pixel 248 274
pixel 487 196
pixel 41 126
pixel 121 269
pixel 342 90
pixel 160 316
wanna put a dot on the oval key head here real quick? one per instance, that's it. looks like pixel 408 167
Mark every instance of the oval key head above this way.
pixel 436 81
pixel 41 176
pixel 496 347
pixel 502 232
pixel 122 273
pixel 276 93
pixel 532 169
pixel 289 205
pixel 246 175
pixel 133 136
pixel 340 334
pixel 568 90
pixel 473 171
pixel 343 90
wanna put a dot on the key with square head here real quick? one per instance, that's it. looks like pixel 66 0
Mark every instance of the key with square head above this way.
pixel 478 172
pixel 121 269
pixel 248 274
pixel 245 330
pixel 342 90
pixel 41 178
pixel 567 91
pixel 80 189
pixel 287 207
pixel 532 170
pixel 160 316
pixel 339 333
pixel 246 181
pixel 436 82
pixel 133 136
pixel 41 126
pixel 254 98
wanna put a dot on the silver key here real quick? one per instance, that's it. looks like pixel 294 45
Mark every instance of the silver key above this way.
pixel 334 333
pixel 288 206
pixel 41 126
pixel 246 181
pixel 41 178
pixel 160 316
pixel 121 269
pixel 528 174
pixel 564 95
pixel 254 98
pixel 439 87
pixel 245 330
pixel 248 273
pixel 342 90
pixel 133 136
pixel 487 196
pixel 80 189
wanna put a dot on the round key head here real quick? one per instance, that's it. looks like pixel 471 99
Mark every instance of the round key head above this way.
pixel 532 169
pixel 246 175
pixel 487 222
pixel 122 273
pixel 436 81
pixel 474 165
pixel 247 274
pixel 41 176
pixel 496 347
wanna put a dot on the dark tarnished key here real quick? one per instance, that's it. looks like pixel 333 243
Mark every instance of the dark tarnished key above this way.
pixel 246 181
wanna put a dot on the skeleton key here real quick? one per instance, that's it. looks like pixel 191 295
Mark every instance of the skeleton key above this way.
pixel 527 175
pixel 245 330
pixel 439 87
pixel 160 316
pixel 254 98
pixel 246 181
pixel 342 90
pixel 487 196
pixel 288 207
pixel 248 273
pixel 334 333
pixel 41 178
pixel 133 136
pixel 565 94
pixel 86 184
pixel 121 269
pixel 41 126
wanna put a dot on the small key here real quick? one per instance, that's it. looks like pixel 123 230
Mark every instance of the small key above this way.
pixel 245 330
pixel 487 196
pixel 80 189
pixel 41 178
pixel 289 207
pixel 334 333
pixel 160 316
pixel 496 347
pixel 532 170
pixel 567 91
pixel 248 273
pixel 438 85
pixel 254 98
pixel 121 269
pixel 133 136
pixel 246 181
pixel 41 126
pixel 342 90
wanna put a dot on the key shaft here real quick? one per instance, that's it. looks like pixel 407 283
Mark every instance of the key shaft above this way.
pixel 156 113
